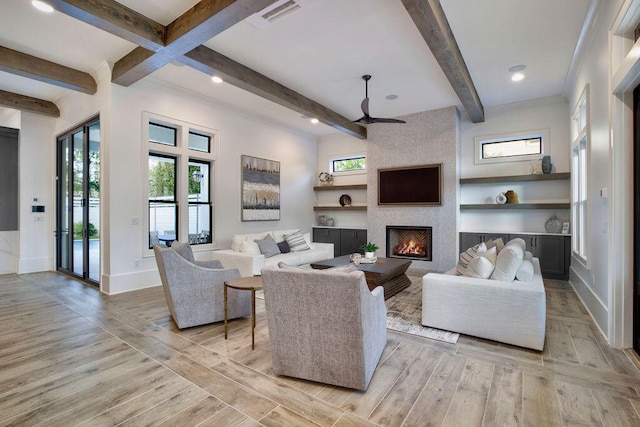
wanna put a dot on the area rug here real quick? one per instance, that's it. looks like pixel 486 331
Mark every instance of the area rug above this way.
pixel 404 314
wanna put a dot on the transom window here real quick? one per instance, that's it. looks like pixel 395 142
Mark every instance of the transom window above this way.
pixel 519 146
pixel 348 164
pixel 180 178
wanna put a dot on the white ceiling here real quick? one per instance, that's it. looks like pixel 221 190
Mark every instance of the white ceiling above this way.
pixel 323 49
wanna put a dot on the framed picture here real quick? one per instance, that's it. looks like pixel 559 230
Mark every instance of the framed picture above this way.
pixel 565 228
pixel 260 189
pixel 411 186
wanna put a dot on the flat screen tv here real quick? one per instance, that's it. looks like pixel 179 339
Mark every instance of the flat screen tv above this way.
pixel 410 186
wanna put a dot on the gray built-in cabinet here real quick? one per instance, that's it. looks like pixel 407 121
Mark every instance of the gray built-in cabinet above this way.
pixel 345 240
pixel 553 250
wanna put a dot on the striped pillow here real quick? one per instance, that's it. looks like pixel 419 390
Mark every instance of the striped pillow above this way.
pixel 296 242
pixel 467 256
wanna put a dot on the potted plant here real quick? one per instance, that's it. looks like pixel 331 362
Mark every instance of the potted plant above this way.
pixel 370 249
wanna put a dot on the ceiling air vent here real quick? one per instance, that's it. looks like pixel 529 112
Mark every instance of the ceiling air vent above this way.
pixel 274 12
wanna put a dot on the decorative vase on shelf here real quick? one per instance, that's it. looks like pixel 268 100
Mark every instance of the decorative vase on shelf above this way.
pixel 512 197
pixel 546 164
pixel 553 224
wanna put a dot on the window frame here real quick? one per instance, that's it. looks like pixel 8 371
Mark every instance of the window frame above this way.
pixel 348 157
pixel 183 155
pixel 479 141
pixel 175 200
pixel 580 181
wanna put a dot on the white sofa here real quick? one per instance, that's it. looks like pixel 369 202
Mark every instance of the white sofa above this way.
pixel 246 257
pixel 509 312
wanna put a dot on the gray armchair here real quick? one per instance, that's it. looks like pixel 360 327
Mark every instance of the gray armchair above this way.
pixel 194 290
pixel 324 325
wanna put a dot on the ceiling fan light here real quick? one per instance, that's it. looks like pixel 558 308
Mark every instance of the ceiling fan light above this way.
pixel 42 6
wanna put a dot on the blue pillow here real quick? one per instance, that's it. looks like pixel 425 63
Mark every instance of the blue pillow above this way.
pixel 284 247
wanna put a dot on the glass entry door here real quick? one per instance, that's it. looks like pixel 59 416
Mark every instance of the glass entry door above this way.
pixel 78 207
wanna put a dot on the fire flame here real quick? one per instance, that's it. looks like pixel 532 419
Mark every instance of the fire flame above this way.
pixel 409 248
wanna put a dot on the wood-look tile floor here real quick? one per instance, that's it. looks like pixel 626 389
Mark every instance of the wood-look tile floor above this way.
pixel 72 356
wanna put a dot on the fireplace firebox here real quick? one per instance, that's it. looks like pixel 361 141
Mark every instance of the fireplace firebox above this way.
pixel 409 242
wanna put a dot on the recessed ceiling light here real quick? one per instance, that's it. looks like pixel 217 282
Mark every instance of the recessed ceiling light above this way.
pixel 517 77
pixel 42 6
pixel 517 68
pixel 216 79
pixel 315 121
pixel 391 97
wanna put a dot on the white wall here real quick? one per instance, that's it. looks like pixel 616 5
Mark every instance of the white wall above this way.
pixel 592 67
pixel 37 180
pixel 331 147
pixel 547 113
pixel 240 133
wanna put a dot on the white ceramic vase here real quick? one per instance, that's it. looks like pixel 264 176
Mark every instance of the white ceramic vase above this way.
pixel 369 255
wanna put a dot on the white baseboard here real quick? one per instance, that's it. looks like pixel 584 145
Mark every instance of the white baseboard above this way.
pixel 34 265
pixel 129 281
pixel 598 311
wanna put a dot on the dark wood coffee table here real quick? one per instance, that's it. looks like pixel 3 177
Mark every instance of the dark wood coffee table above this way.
pixel 386 272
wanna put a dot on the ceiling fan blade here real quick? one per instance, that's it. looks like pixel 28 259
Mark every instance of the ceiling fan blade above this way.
pixel 365 106
pixel 380 120
pixel 364 120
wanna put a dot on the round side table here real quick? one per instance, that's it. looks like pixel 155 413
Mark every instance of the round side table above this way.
pixel 244 284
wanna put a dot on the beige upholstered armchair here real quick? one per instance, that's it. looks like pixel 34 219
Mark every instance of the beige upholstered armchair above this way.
pixel 195 289
pixel 324 325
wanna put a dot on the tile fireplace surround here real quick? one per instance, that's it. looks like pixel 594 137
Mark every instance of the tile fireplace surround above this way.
pixel 409 242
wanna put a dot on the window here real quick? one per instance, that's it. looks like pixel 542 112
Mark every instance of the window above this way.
pixel 163 205
pixel 518 146
pixel 348 164
pixel 180 168
pixel 199 206
pixel 579 168
pixel 199 142
pixel 161 134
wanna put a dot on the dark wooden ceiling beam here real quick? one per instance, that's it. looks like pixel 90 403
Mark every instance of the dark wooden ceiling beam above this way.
pixel 21 64
pixel 116 19
pixel 197 25
pixel 434 27
pixel 211 62
pixel 27 103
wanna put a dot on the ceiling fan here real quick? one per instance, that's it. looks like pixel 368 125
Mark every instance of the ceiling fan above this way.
pixel 367 119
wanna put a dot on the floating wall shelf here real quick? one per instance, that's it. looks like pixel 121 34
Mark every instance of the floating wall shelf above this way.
pixel 339 208
pixel 341 187
pixel 516 178
pixel 518 206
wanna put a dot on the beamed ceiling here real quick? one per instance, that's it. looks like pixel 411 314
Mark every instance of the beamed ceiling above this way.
pixel 307 62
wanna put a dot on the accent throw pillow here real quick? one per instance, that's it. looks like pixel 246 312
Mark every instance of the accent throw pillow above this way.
pixel 508 262
pixel 518 241
pixel 284 247
pixel 467 256
pixel 296 242
pixel 479 267
pixel 525 272
pixel 497 243
pixel 268 246
pixel 250 247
